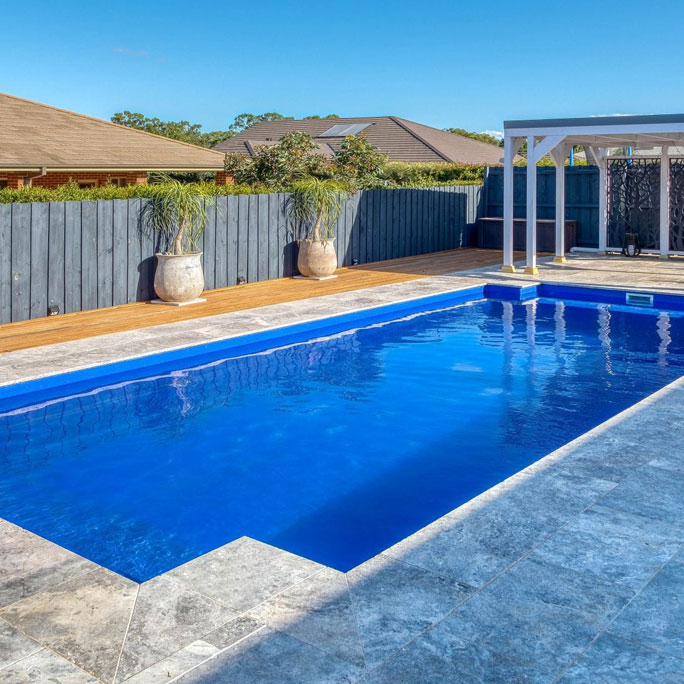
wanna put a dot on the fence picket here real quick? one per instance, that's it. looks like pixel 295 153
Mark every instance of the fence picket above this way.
pixel 119 251
pixel 40 226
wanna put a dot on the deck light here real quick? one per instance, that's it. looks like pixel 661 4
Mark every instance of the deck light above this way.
pixel 52 310
pixel 631 246
pixel 241 280
pixel 355 262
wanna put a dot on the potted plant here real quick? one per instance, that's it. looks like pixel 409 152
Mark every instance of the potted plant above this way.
pixel 315 205
pixel 178 211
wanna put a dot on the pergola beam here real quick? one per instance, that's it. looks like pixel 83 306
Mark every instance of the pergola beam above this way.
pixel 544 147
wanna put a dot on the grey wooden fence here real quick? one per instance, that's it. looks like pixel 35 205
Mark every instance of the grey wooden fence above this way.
pixel 581 197
pixel 87 255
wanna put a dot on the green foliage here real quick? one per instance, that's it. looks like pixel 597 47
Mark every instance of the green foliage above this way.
pixel 482 137
pixel 71 192
pixel 327 116
pixel 292 158
pixel 316 204
pixel 243 121
pixel 430 174
pixel 359 162
pixel 177 130
pixel 178 211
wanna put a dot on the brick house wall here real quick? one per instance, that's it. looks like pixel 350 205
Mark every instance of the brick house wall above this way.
pixel 54 179
pixel 223 178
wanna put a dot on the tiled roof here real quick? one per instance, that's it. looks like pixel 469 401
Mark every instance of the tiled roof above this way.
pixel 400 139
pixel 323 148
pixel 34 135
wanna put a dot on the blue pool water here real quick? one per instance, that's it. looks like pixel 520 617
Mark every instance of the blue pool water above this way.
pixel 334 448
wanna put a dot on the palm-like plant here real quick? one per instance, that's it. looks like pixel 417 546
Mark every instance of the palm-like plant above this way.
pixel 317 204
pixel 178 211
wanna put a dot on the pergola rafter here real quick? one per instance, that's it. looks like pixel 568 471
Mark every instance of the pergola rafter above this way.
pixel 598 135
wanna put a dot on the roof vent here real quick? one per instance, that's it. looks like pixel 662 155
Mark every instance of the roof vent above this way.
pixel 342 130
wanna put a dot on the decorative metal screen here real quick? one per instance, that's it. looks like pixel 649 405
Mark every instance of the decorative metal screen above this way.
pixel 634 201
pixel 677 204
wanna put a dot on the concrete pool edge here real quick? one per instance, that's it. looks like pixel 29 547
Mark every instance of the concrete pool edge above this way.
pixel 411 559
pixel 43 386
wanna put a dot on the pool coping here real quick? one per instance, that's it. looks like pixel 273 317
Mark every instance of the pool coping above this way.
pixel 278 332
pixel 264 620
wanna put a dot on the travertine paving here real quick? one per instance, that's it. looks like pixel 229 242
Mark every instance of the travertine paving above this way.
pixel 571 571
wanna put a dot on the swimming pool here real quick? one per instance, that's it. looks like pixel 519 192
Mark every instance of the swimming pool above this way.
pixel 332 440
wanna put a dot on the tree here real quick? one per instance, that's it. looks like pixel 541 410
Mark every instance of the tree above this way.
pixel 482 137
pixel 327 116
pixel 359 161
pixel 176 130
pixel 292 158
pixel 244 121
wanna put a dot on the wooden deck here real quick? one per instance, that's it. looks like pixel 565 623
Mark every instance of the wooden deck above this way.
pixel 74 326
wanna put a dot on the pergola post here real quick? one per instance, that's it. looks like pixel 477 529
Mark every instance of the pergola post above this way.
pixel 531 242
pixel 558 156
pixel 664 203
pixel 510 148
pixel 600 157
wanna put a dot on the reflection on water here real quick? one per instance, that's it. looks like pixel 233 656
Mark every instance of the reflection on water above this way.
pixel 333 449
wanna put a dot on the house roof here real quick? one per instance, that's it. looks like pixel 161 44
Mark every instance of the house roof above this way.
pixel 35 136
pixel 400 139
pixel 321 148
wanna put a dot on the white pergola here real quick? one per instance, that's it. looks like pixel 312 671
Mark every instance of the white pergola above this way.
pixel 598 135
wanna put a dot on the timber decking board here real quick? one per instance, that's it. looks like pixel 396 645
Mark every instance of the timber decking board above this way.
pixel 83 324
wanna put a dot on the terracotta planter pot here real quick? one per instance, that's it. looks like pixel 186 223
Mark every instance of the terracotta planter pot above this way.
pixel 317 258
pixel 179 277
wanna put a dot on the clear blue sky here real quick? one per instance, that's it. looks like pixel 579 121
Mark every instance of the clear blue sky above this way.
pixel 446 63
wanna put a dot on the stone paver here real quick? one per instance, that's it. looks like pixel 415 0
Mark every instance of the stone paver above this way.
pixel 614 661
pixel 636 495
pixel 394 602
pixel 14 645
pixel 233 631
pixel 29 564
pixel 624 548
pixel 45 667
pixel 84 619
pixel 244 573
pixel 539 633
pixel 655 618
pixel 318 611
pixel 270 657
pixel 176 664
pixel 437 657
pixel 483 537
pixel 167 617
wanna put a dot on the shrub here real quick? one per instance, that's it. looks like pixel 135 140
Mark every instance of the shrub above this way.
pixel 71 192
pixel 316 205
pixel 359 162
pixel 291 159
pixel 403 174
pixel 179 212
pixel 482 137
